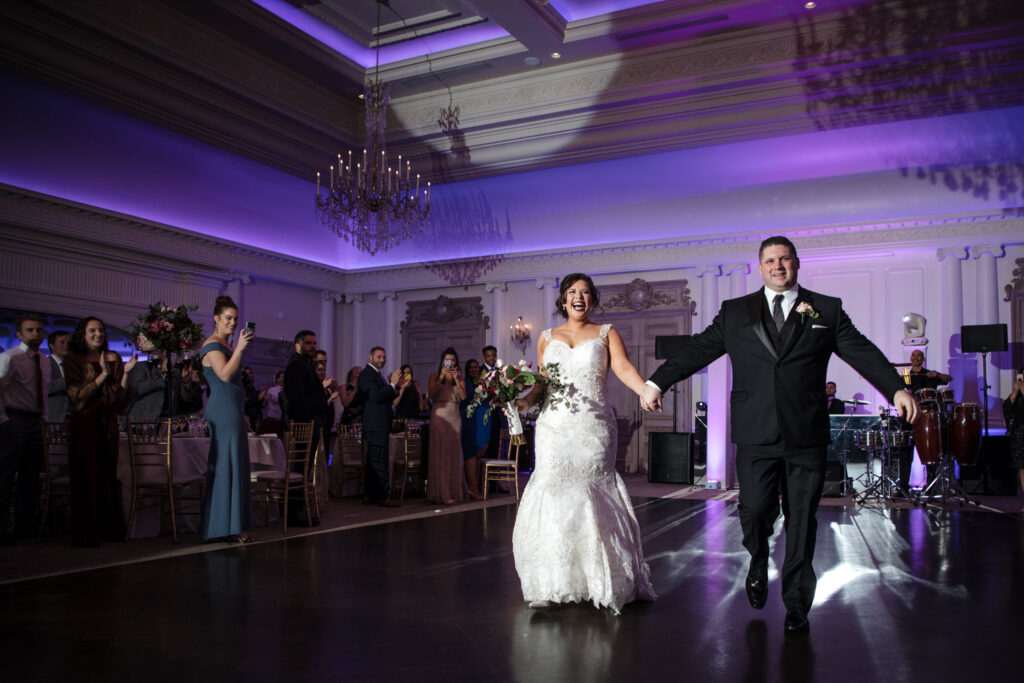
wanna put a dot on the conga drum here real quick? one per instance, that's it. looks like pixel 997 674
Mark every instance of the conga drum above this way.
pixel 927 430
pixel 947 398
pixel 965 433
pixel 926 397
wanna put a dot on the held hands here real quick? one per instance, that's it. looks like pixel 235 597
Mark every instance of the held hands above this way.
pixel 906 406
pixel 650 399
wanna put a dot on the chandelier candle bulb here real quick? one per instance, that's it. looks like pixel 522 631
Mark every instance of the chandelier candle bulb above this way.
pixel 318 183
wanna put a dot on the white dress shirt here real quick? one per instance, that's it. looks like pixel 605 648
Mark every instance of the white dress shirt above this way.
pixel 788 300
pixel 18 380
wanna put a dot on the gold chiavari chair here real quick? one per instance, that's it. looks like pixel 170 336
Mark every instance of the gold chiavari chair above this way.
pixel 350 455
pixel 408 463
pixel 150 445
pixel 298 476
pixel 504 468
pixel 56 489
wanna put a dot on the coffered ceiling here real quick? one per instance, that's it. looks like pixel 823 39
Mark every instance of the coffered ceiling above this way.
pixel 278 81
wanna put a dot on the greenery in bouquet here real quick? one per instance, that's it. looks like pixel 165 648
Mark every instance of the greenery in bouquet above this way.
pixel 163 328
pixel 505 383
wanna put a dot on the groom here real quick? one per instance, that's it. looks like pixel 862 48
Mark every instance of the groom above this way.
pixel 779 340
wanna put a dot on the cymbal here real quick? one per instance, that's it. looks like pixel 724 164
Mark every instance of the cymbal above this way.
pixel 855 401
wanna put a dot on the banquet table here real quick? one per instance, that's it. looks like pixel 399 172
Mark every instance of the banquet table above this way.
pixel 189 457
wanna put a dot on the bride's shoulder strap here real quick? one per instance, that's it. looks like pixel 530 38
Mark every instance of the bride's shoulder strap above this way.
pixel 546 334
pixel 604 330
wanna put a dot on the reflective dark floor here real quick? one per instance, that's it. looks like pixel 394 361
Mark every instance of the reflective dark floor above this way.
pixel 903 595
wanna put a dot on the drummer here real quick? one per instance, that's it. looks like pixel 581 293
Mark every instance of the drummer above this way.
pixel 923 378
pixel 836 406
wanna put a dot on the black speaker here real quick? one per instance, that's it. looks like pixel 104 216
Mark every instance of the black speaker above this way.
pixel 993 474
pixel 983 338
pixel 670 457
pixel 835 477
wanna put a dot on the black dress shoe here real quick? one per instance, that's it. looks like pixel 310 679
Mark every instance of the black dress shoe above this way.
pixel 796 621
pixel 757 588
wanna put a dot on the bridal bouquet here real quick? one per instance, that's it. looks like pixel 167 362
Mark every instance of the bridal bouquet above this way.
pixel 500 387
pixel 163 328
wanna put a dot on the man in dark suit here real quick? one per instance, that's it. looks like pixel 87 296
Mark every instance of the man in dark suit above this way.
pixel 835 406
pixel 305 398
pixel 779 340
pixel 498 419
pixel 377 392
pixel 57 396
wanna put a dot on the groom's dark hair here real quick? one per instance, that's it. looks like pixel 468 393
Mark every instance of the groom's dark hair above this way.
pixel 777 240
pixel 566 283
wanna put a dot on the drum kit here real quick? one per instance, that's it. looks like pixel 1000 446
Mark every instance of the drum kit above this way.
pixel 946 434
pixel 886 442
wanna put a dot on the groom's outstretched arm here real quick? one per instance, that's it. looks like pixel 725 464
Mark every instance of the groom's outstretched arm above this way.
pixel 685 355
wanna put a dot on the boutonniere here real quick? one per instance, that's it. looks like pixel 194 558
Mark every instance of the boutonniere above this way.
pixel 806 311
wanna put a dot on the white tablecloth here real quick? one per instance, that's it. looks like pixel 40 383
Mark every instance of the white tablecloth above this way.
pixel 189 457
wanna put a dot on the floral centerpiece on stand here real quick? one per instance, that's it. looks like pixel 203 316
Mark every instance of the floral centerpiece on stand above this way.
pixel 163 328
pixel 501 386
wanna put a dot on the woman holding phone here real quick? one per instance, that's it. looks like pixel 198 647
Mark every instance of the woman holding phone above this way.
pixel 227 506
pixel 444 467
pixel 98 392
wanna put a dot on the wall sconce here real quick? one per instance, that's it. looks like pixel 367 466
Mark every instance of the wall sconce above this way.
pixel 520 334
pixel 913 329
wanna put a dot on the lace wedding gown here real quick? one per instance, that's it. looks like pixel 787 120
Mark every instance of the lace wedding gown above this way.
pixel 576 537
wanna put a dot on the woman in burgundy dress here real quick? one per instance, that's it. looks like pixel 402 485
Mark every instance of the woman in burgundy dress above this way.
pixel 98 392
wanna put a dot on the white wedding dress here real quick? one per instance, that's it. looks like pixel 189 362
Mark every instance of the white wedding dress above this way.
pixel 576 537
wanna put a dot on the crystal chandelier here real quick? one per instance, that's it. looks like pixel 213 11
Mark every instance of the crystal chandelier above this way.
pixel 371 205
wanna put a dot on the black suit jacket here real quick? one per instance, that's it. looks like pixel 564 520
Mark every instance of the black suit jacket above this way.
pixel 837 407
pixel 376 395
pixel 779 393
pixel 304 393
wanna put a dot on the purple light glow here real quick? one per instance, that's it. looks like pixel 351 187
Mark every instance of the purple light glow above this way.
pixel 62 145
pixel 366 57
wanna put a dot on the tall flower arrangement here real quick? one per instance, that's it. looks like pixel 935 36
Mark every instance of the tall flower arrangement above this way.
pixel 163 328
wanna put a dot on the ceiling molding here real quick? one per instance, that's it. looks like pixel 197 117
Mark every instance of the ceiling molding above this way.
pixel 233 75
pixel 32 218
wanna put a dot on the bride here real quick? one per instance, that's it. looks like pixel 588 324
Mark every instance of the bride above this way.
pixel 576 537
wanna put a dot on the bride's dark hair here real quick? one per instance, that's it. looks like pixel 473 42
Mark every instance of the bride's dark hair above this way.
pixel 567 282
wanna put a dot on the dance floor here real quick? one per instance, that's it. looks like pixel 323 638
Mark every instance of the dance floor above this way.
pixel 903 595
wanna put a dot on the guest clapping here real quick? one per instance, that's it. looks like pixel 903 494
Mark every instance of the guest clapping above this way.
pixel 411 402
pixel 97 384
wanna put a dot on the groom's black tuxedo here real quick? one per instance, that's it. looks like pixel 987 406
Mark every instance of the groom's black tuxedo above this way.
pixel 779 391
pixel 779 414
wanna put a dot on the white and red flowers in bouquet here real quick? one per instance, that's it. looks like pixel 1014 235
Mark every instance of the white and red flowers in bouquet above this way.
pixel 499 388
pixel 502 385
pixel 163 328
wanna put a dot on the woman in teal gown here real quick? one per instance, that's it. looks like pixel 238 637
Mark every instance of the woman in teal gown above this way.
pixel 227 504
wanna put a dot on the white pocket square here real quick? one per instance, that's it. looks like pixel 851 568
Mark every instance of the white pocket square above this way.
pixel 819 327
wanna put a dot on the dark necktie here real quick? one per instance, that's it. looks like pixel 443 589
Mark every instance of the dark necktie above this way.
pixel 777 316
pixel 39 382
